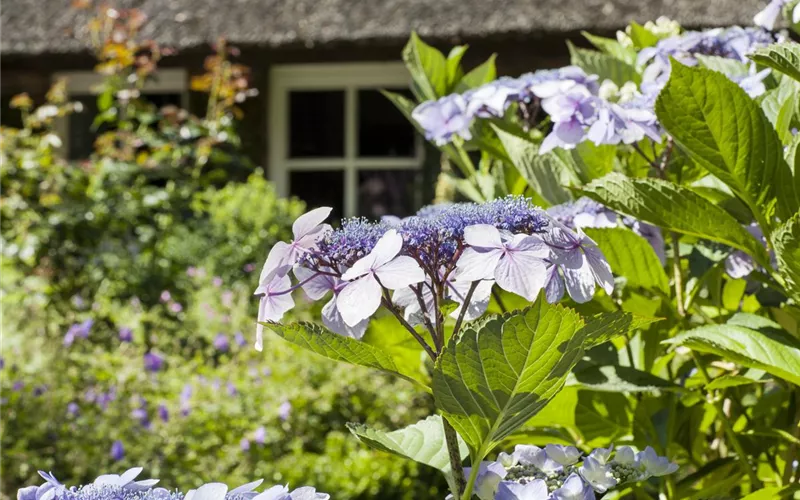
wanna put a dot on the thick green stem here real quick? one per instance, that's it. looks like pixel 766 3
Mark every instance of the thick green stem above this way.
pixel 676 271
pixel 473 475
pixel 453 450
pixel 727 428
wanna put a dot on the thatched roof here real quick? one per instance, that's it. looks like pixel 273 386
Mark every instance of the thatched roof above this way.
pixel 46 26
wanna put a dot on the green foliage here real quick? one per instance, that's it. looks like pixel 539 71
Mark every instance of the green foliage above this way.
pixel 783 57
pixel 631 257
pixel 502 371
pixel 786 242
pixel 725 131
pixel 606 66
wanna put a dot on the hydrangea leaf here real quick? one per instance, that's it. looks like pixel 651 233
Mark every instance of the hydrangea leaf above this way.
pixel 724 65
pixel 782 57
pixel 641 36
pixel 615 378
pixel 503 370
pixel 778 105
pixel 548 174
pixel 319 340
pixel 479 75
pixel 612 47
pixel 786 243
pixel 607 67
pixel 631 257
pixel 428 68
pixel 454 70
pixel 423 442
pixel 726 381
pixel 726 132
pixel 674 208
pixel 603 327
pixel 773 351
pixel 593 161
pixel 772 493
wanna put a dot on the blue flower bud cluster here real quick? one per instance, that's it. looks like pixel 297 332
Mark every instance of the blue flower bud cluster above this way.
pixel 125 487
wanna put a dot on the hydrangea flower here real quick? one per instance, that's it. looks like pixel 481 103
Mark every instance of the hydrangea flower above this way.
pixel 443 119
pixel 581 264
pixel 558 472
pixel 153 362
pixel 124 487
pixel 767 17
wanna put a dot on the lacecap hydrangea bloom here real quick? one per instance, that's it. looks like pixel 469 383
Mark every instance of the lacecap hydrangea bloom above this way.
pixel 558 472
pixel 125 487
pixel 455 252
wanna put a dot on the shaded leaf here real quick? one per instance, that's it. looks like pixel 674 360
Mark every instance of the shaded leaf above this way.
pixel 612 47
pixel 603 327
pixel 319 340
pixel 726 381
pixel 631 256
pixel 775 352
pixel 479 75
pixel 786 243
pixel 605 66
pixel 428 68
pixel 674 208
pixel 615 378
pixel 783 57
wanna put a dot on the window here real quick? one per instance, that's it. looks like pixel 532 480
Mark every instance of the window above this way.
pixel 335 140
pixel 168 86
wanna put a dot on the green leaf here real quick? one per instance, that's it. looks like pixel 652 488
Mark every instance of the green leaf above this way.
pixel 782 57
pixel 786 243
pixel 547 175
pixel 592 161
pixel 612 47
pixel 674 208
pixel 773 351
pixel 631 257
pixel 423 442
pixel 726 132
pixel 778 105
pixel 732 294
pixel 503 370
pixel 605 66
pixel 603 327
pixel 772 493
pixel 428 68
pixel 454 70
pixel 726 381
pixel 615 378
pixel 641 36
pixel 724 65
pixel 317 339
pixel 479 75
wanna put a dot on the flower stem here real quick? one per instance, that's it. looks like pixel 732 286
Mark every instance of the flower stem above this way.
pixel 453 450
pixel 676 271
pixel 464 307
pixel 726 426
pixel 499 300
pixel 388 305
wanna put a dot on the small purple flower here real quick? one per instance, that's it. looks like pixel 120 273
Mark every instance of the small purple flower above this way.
pixel 232 391
pixel 260 435
pixel 163 413
pixel 140 415
pixel 73 408
pixel 227 298
pixel 126 334
pixel 175 307
pixel 191 271
pixel 39 390
pixel 221 342
pixel 117 451
pixel 2 363
pixel 239 339
pixel 444 118
pixel 18 386
pixel 217 281
pixel 165 296
pixel 244 444
pixel 285 410
pixel 249 268
pixel 153 362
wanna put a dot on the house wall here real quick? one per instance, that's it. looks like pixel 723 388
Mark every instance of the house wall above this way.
pixel 516 55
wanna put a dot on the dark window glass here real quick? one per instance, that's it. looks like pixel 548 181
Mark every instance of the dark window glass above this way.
pixel 383 131
pixel 387 192
pixel 81 132
pixel 320 188
pixel 316 124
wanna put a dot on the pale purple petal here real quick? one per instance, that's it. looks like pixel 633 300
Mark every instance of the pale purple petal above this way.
pixel 474 265
pixel 533 490
pixel 400 272
pixel 739 265
pixel 554 286
pixel 767 17
pixel 521 273
pixel 578 275
pixel 317 286
pixel 532 245
pixel 359 300
pixel 385 250
pixel 479 302
pixel 332 319
pixel 278 262
pixel 482 236
pixel 599 266
pixel 309 222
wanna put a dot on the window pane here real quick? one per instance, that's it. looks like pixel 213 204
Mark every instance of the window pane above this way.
pixel 383 131
pixel 387 192
pixel 316 124
pixel 320 188
pixel 81 133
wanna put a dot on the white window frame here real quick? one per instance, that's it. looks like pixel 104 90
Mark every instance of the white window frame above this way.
pixel 350 78
pixel 164 81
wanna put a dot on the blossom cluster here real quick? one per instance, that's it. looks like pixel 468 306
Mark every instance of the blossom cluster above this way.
pixel 454 252
pixel 125 487
pixel 558 472
pixel 583 108
pixel 587 213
